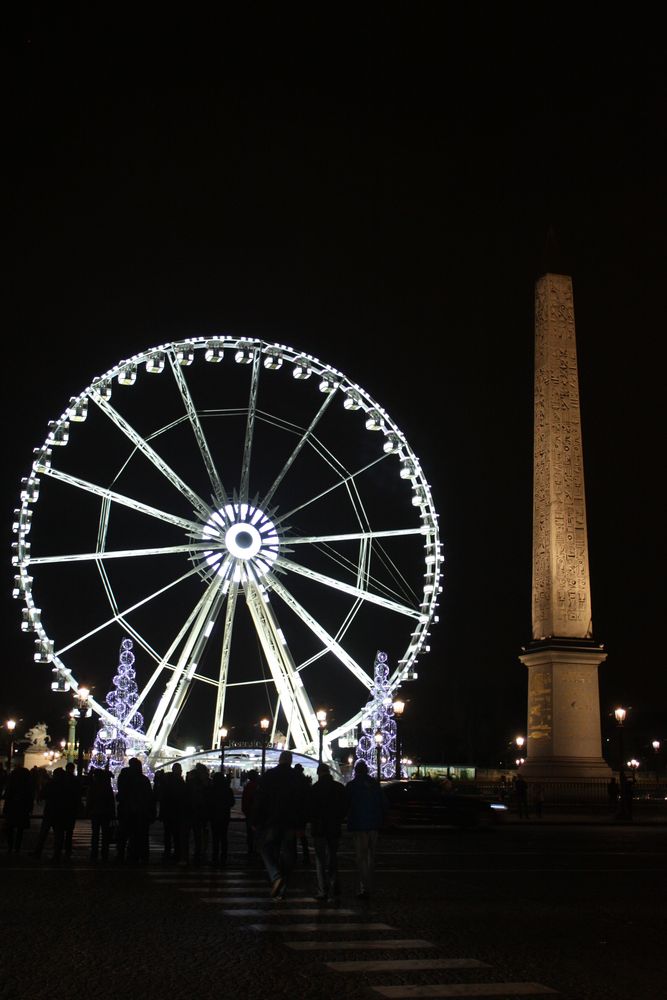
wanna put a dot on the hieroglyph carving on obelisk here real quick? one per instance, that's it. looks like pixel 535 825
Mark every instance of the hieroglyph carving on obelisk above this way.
pixel 561 588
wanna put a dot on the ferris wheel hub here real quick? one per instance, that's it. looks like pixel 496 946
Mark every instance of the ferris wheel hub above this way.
pixel 243 540
pixel 246 534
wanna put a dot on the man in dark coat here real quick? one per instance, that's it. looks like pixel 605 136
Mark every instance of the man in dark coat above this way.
pixel 71 805
pixel 101 810
pixel 327 806
pixel 222 799
pixel 280 812
pixel 17 808
pixel 136 812
pixel 174 814
pixel 366 811
pixel 248 808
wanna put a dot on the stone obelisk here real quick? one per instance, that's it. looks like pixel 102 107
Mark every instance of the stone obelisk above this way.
pixel 564 739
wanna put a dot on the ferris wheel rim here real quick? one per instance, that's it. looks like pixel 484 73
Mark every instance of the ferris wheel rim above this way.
pixel 332 381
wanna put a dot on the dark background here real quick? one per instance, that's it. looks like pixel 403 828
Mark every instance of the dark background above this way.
pixel 374 185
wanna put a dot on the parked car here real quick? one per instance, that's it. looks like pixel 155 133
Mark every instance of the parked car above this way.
pixel 423 801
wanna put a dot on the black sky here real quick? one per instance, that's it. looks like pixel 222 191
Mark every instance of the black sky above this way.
pixel 374 185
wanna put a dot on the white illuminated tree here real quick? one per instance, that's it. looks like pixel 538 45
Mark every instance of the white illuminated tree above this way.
pixel 114 744
pixel 378 720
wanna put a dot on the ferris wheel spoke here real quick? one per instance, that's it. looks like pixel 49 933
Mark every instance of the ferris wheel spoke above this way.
pixel 120 554
pixel 177 687
pixel 343 482
pixel 193 416
pixel 352 536
pixel 328 640
pixel 293 698
pixel 100 710
pixel 138 441
pixel 230 610
pixel 133 607
pixel 107 494
pixel 164 662
pixel 346 728
pixel 295 453
pixel 250 427
pixel 346 588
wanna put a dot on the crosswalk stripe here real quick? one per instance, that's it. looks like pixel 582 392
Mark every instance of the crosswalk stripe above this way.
pixel 390 945
pixel 260 899
pixel 309 928
pixel 198 880
pixel 406 964
pixel 463 990
pixel 281 912
pixel 202 886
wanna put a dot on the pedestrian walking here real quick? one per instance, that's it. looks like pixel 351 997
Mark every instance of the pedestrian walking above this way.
pixel 280 811
pixel 101 811
pixel 136 812
pixel 71 807
pixel 301 834
pixel 17 808
pixel 222 799
pixel 537 797
pixel 198 784
pixel 366 812
pixel 248 808
pixel 327 806
pixel 521 796
pixel 174 815
pixel 613 794
pixel 51 799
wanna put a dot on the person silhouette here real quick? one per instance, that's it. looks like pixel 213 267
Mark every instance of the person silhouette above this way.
pixel 366 812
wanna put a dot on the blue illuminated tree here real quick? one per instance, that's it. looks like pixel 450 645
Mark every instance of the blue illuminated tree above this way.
pixel 114 745
pixel 378 718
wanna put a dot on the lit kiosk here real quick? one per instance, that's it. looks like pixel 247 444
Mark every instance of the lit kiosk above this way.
pixel 564 739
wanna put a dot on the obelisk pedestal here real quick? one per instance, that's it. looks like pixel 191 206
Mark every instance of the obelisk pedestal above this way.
pixel 564 739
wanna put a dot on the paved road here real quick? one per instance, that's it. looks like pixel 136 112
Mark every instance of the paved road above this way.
pixel 577 909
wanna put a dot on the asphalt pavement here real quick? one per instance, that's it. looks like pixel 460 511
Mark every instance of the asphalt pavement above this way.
pixel 569 908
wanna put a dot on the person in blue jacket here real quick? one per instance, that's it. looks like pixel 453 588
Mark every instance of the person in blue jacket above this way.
pixel 366 812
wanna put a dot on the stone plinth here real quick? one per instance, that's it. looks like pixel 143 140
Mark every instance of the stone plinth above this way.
pixel 564 739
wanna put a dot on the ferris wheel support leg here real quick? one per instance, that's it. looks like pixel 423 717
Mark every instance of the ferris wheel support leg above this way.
pixel 182 677
pixel 295 701
pixel 224 665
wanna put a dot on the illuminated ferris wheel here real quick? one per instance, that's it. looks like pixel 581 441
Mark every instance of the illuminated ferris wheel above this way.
pixel 253 519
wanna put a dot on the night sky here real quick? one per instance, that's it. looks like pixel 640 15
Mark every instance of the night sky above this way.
pixel 374 187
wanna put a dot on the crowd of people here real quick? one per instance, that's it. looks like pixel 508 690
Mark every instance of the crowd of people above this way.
pixel 194 812
pixel 281 808
pixel 285 804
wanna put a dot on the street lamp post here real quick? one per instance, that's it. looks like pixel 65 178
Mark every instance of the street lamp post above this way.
pixel 625 799
pixel 83 711
pixel 264 727
pixel 656 750
pixel 321 717
pixel 379 740
pixel 399 708
pixel 71 735
pixel 223 737
pixel 11 726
